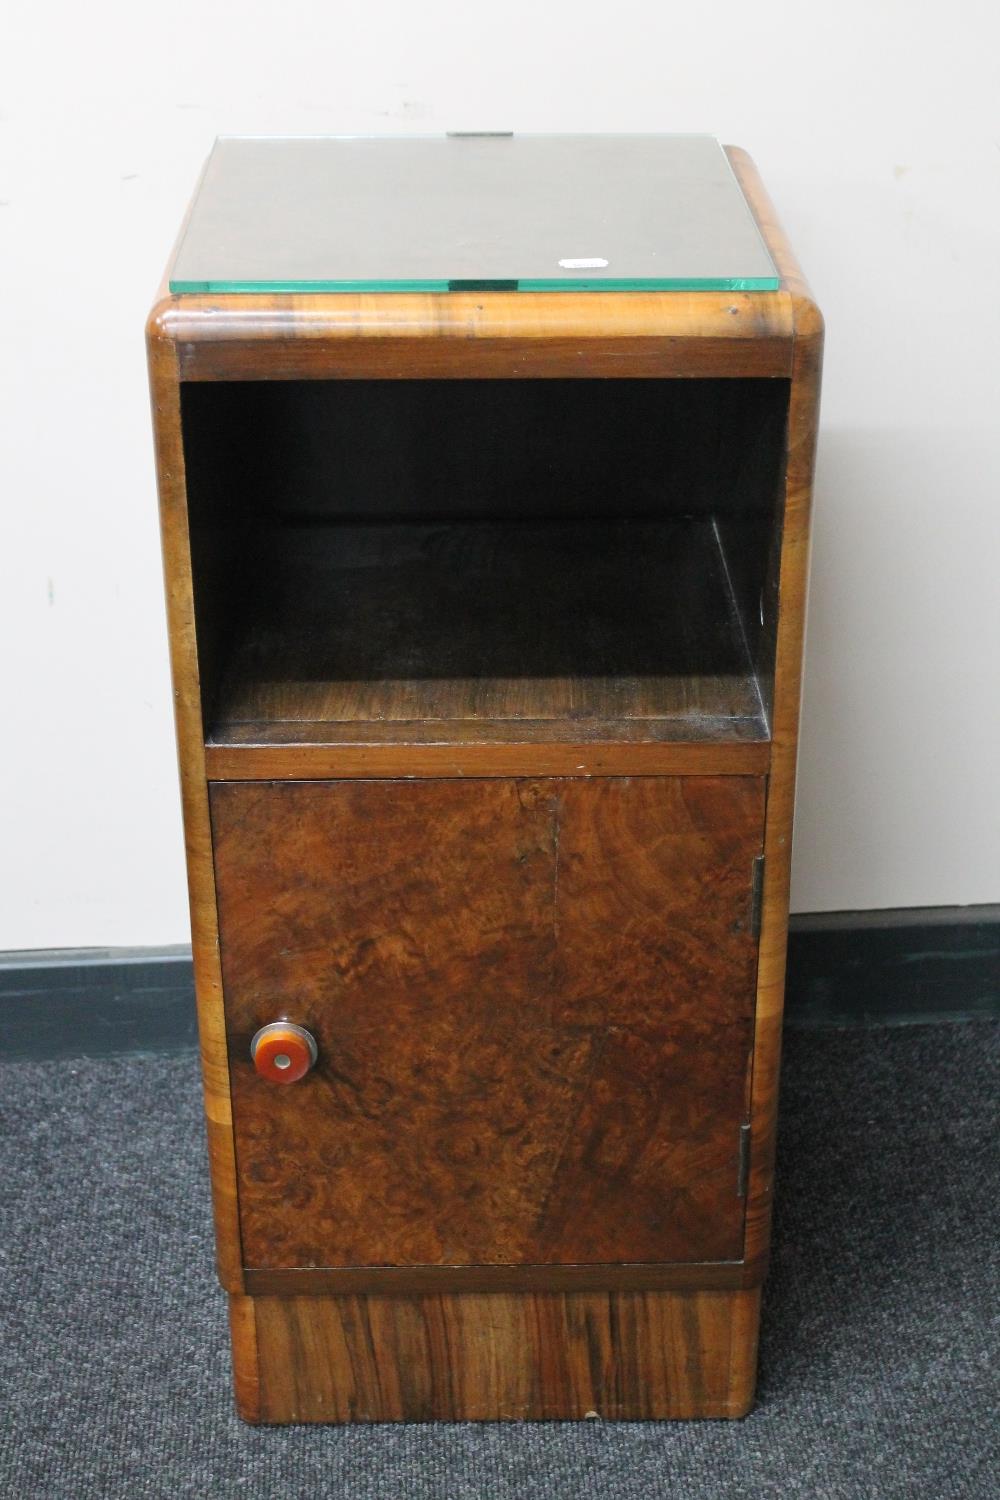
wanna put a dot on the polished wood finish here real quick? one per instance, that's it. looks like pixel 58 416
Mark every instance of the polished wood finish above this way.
pixel 462 335
pixel 631 1339
pixel 487 747
pixel 620 1356
pixel 246 1362
pixel 175 533
pixel 803 423
pixel 533 1005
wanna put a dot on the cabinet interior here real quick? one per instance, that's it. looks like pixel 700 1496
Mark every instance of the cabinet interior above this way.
pixel 542 556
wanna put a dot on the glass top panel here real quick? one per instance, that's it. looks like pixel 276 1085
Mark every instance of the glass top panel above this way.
pixel 471 212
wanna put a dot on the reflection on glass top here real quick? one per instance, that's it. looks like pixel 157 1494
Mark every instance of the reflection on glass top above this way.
pixel 471 212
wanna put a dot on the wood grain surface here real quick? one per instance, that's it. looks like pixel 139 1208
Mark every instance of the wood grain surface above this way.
pixel 489 747
pixel 803 426
pixel 462 335
pixel 620 1356
pixel 175 533
pixel 573 622
pixel 533 1003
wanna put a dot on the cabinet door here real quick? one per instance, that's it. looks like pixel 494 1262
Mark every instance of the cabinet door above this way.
pixel 533 1004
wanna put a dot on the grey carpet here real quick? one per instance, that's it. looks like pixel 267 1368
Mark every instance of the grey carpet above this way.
pixel 879 1372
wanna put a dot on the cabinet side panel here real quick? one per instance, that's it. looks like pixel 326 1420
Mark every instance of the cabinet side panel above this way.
pixel 803 418
pixel 781 794
pixel 165 393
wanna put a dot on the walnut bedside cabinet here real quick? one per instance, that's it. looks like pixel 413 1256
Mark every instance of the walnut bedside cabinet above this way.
pixel 485 467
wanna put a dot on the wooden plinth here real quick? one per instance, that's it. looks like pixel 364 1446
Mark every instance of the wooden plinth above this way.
pixel 498 1356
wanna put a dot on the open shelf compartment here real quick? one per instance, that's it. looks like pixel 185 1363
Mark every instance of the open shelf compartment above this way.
pixel 523 561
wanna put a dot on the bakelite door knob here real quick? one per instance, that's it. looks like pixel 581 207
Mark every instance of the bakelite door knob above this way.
pixel 283 1052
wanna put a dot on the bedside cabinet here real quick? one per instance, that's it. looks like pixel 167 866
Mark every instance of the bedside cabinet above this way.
pixel 485 469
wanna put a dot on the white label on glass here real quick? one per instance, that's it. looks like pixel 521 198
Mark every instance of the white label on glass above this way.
pixel 583 263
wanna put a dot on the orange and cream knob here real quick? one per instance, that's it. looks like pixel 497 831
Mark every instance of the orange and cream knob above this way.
pixel 283 1052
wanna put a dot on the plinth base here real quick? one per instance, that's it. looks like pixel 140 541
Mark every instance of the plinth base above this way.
pixel 497 1356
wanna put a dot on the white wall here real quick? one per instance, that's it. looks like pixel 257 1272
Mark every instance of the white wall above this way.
pixel 875 124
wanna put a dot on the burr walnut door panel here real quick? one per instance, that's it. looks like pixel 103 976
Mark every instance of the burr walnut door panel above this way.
pixel 533 1004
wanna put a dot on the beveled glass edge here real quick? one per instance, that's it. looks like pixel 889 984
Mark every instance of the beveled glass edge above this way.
pixel 656 284
pixel 634 284
pixel 266 287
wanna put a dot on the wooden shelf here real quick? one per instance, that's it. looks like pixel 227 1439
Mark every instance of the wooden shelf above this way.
pixel 483 634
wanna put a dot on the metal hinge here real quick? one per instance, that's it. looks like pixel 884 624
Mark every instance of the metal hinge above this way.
pixel 743 1162
pixel 756 895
